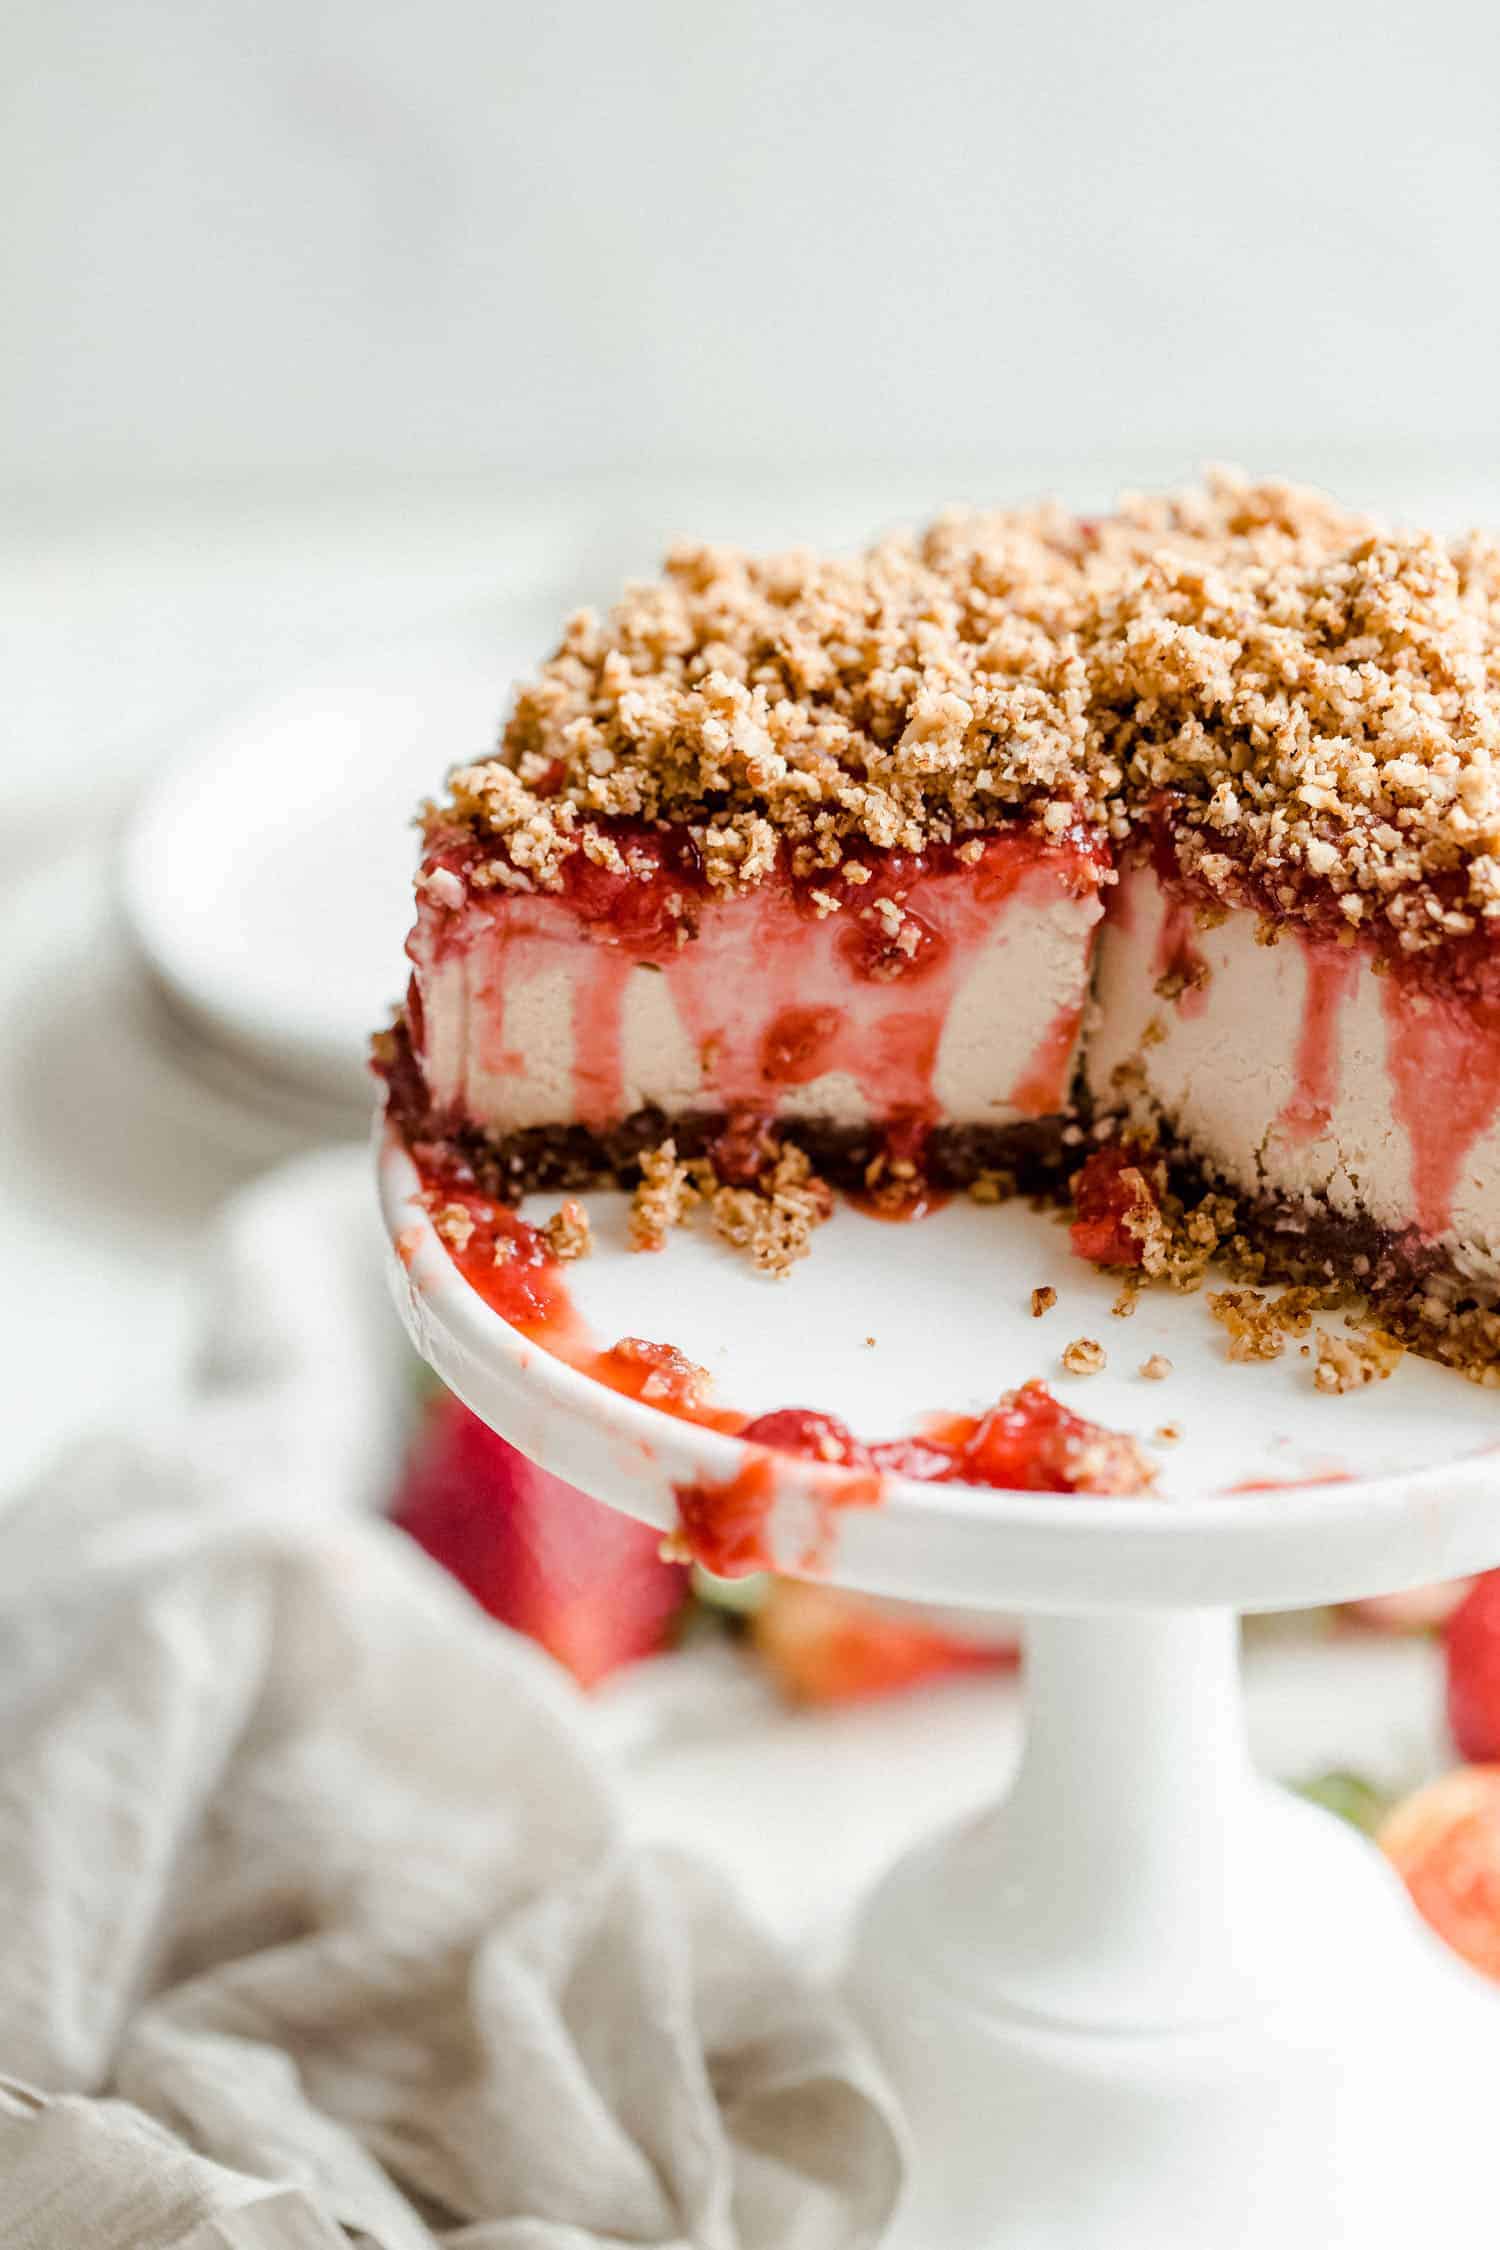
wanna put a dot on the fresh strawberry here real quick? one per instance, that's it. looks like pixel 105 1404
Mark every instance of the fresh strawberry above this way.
pixel 588 1584
pixel 822 1646
pixel 1471 1651
pixel 1420 1609
pixel 1445 1844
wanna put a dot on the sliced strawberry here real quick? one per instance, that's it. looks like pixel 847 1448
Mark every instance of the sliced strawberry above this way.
pixel 1471 1654
pixel 1419 1609
pixel 587 1583
pixel 822 1646
pixel 1445 1843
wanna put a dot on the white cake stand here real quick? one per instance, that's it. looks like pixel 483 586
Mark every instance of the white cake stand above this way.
pixel 1148 2000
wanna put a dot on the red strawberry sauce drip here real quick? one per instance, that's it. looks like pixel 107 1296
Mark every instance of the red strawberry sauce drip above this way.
pixel 1330 973
pixel 1028 1442
pixel 1443 1053
pixel 527 1287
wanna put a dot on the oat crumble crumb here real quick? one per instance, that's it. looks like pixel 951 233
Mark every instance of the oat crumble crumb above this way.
pixel 776 1219
pixel 1258 1325
pixel 1168 1434
pixel 567 1233
pixel 1043 1298
pixel 663 1199
pixel 1348 1363
pixel 455 1223
pixel 1157 1368
pixel 1084 1356
pixel 680 1378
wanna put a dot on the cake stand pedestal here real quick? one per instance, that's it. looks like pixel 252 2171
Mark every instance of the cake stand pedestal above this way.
pixel 1149 1999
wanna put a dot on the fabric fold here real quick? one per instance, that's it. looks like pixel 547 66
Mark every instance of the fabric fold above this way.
pixel 317 1906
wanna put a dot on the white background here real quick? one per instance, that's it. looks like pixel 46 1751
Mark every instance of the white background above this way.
pixel 359 237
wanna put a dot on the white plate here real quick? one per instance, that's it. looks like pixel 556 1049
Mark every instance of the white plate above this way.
pixel 947 1300
pixel 266 878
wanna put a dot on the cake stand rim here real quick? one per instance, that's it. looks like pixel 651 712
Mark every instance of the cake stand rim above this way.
pixel 1439 1504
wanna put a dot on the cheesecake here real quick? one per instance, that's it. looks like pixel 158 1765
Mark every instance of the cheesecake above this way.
pixel 932 1000
pixel 1175 830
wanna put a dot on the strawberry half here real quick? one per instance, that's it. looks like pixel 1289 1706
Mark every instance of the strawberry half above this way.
pixel 1471 1655
pixel 821 1646
pixel 587 1583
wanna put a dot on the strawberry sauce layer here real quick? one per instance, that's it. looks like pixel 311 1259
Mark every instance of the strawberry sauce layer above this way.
pixel 1026 1442
pixel 848 975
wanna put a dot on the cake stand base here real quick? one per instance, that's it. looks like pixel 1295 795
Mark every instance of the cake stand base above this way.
pixel 1150 2000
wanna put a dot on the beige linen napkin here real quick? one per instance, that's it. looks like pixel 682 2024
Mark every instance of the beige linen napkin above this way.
pixel 318 1916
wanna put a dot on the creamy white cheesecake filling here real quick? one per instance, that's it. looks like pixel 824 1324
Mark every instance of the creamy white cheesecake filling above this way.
pixel 1294 1070
pixel 528 1021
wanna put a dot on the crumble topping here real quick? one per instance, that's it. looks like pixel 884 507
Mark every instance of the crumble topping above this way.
pixel 1083 1356
pixel 1258 1326
pixel 774 1220
pixel 1348 1363
pixel 672 1377
pixel 922 690
pixel 567 1233
pixel 1329 719
pixel 1043 1298
pixel 1321 696
pixel 665 1195
pixel 1157 1368
pixel 455 1223
pixel 773 1217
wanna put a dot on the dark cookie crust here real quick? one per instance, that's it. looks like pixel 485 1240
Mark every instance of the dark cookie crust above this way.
pixel 1033 1151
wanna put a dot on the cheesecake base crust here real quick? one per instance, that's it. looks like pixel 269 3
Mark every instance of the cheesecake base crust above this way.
pixel 1034 1154
pixel 1414 1291
pixel 1412 1288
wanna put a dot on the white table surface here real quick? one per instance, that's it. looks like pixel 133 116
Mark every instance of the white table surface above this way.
pixel 120 632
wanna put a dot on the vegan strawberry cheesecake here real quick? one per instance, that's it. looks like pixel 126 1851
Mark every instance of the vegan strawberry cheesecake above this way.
pixel 1178 827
